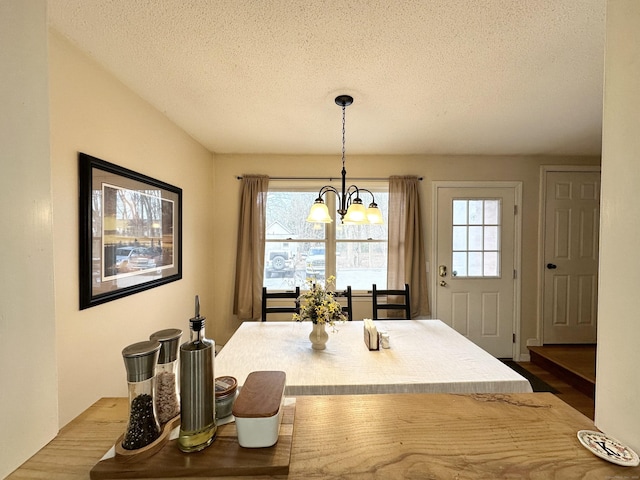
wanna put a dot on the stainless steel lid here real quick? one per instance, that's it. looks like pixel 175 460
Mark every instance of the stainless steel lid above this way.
pixel 140 360
pixel 169 342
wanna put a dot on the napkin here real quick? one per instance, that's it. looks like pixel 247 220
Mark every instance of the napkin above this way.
pixel 370 335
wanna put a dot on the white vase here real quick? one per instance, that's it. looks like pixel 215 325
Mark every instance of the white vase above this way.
pixel 318 337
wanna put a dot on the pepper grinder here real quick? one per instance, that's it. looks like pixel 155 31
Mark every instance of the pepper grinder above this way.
pixel 140 361
pixel 197 394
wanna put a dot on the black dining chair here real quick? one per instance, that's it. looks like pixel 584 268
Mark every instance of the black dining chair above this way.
pixel 292 307
pixel 393 299
pixel 347 307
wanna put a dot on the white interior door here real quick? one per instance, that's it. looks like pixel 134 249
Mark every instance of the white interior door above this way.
pixel 571 238
pixel 475 272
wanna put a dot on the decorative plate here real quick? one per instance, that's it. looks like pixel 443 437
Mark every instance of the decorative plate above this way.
pixel 608 448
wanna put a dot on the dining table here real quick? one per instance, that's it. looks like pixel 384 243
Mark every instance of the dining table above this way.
pixel 424 356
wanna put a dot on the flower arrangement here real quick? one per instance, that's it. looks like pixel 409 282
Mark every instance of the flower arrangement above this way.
pixel 318 304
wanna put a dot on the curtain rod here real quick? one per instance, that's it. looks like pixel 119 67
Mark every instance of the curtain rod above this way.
pixel 329 179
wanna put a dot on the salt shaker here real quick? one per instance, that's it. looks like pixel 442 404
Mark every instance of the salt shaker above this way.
pixel 384 339
pixel 167 388
pixel 140 362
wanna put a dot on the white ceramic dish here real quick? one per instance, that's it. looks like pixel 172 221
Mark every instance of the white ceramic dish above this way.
pixel 258 409
pixel 259 432
pixel 608 448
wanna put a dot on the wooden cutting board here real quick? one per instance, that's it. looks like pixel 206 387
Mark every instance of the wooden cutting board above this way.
pixel 224 457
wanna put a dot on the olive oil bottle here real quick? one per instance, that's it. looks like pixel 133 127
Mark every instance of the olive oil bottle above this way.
pixel 197 393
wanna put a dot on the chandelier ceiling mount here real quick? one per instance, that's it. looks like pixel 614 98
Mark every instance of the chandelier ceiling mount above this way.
pixel 350 206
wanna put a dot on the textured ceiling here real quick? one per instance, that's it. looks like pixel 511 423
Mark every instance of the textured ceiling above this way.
pixel 482 77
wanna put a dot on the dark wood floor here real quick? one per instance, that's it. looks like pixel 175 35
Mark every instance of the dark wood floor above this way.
pixel 570 369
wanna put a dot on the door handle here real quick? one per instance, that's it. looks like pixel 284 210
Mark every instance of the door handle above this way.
pixel 443 283
pixel 442 270
pixel 551 266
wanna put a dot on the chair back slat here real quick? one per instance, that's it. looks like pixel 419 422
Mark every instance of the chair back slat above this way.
pixel 347 309
pixel 267 308
pixel 401 300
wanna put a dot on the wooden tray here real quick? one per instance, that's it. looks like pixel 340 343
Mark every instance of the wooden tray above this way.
pixel 224 457
pixel 123 455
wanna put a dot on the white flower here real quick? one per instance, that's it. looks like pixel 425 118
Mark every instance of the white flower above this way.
pixel 318 305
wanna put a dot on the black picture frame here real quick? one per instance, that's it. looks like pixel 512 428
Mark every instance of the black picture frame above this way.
pixel 130 235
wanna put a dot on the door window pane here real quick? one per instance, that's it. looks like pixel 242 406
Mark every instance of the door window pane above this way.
pixel 459 264
pixel 475 212
pixel 491 212
pixel 459 238
pixel 491 238
pixel 460 212
pixel 490 264
pixel 475 264
pixel 476 238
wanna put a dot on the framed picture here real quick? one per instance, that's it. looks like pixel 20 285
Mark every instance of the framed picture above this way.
pixel 130 232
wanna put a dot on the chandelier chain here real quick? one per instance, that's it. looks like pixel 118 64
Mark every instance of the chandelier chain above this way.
pixel 350 206
pixel 344 107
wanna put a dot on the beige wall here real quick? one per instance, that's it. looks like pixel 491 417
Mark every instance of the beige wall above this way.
pixel 618 385
pixel 432 168
pixel 28 388
pixel 92 112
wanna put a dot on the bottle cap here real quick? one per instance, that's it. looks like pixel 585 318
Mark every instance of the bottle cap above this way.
pixel 197 322
pixel 169 341
pixel 140 360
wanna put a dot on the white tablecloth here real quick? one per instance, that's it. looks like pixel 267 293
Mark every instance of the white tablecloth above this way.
pixel 426 356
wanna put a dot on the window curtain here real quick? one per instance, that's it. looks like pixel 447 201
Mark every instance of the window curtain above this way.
pixel 247 299
pixel 406 257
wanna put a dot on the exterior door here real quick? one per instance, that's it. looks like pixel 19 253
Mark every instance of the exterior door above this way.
pixel 571 234
pixel 475 272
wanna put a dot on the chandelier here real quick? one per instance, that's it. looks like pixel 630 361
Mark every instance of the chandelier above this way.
pixel 350 206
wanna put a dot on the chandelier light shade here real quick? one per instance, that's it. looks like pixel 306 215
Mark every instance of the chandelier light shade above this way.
pixel 350 206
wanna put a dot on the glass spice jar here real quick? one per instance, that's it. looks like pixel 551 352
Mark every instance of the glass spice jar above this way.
pixel 167 385
pixel 142 427
pixel 226 388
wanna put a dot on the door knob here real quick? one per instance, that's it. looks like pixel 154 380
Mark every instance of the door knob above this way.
pixel 551 266
pixel 443 283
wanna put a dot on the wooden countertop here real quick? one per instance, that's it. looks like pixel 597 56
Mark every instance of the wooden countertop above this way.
pixel 398 436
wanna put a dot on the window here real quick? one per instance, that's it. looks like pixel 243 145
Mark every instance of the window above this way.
pixel 296 250
pixel 476 238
